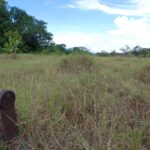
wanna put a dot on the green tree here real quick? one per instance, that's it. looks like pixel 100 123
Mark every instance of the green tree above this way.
pixel 33 31
pixel 113 53
pixel 136 50
pixel 79 50
pixel 14 40
pixel 102 53
pixel 5 23
pixel 125 49
pixel 145 52
pixel 58 48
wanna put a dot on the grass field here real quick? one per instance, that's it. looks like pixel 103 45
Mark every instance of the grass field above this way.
pixel 80 102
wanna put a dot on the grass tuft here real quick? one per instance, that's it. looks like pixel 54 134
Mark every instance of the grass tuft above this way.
pixel 77 63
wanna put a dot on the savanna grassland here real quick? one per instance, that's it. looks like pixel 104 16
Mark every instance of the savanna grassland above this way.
pixel 80 102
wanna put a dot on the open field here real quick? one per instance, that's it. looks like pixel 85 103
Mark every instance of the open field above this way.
pixel 80 102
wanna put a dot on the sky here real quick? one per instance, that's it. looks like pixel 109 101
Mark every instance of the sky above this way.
pixel 96 24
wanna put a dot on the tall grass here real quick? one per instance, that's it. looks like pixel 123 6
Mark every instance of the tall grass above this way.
pixel 80 102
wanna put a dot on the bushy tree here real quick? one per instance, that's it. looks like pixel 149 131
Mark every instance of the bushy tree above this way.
pixel 145 52
pixel 103 53
pixel 139 51
pixel 14 40
pixel 125 49
pixel 57 48
pixel 136 50
pixel 79 50
pixel 33 32
pixel 5 24
pixel 113 53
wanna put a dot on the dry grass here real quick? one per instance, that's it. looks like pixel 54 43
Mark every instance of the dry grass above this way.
pixel 144 75
pixel 77 64
pixel 80 102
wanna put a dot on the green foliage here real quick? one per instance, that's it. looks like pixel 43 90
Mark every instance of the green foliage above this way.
pixel 58 48
pixel 32 31
pixel 113 53
pixel 136 50
pixel 79 50
pixel 103 53
pixel 5 24
pixel 14 40
pixel 145 52
pixel 139 51
pixel 125 49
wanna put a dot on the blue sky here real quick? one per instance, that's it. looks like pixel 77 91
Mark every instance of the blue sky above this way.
pixel 95 24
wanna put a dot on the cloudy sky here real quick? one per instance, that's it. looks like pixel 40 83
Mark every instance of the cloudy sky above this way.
pixel 95 24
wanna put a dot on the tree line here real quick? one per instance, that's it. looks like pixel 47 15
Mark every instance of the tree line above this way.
pixel 127 51
pixel 23 33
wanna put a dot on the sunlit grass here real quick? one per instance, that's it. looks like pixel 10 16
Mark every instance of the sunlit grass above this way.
pixel 80 102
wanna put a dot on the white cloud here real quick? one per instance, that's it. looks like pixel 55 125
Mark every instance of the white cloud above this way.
pixel 141 3
pixel 128 31
pixel 135 7
pixel 92 41
pixel 131 26
pixel 134 31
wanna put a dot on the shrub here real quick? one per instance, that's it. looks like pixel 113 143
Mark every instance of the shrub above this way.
pixel 77 63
